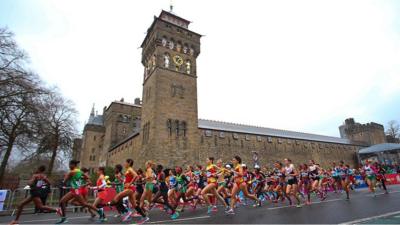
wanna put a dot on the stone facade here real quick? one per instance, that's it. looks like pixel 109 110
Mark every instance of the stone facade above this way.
pixel 165 128
pixel 368 134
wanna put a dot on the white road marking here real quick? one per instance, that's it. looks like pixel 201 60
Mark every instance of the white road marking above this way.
pixel 204 217
pixel 370 218
pixel 294 206
pixel 183 219
pixel 55 219
pixel 392 192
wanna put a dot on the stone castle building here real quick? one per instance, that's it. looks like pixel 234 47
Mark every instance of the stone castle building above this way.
pixel 164 126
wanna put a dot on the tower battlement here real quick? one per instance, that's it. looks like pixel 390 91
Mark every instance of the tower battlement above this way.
pixel 368 133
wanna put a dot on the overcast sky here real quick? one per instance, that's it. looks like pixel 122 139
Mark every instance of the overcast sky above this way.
pixel 295 65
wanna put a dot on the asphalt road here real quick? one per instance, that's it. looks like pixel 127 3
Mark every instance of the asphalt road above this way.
pixel 362 207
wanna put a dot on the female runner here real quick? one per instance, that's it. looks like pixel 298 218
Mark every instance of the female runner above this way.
pixel 76 178
pixel 101 192
pixel 35 183
pixel 163 192
pixel 370 175
pixel 239 184
pixel 211 172
pixel 345 179
pixel 149 185
pixel 291 181
pixel 129 191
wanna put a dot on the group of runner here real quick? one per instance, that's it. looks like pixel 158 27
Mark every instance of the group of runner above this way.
pixel 138 191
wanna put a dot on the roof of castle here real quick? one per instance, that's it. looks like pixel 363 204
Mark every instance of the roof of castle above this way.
pixel 379 148
pixel 240 128
pixel 96 120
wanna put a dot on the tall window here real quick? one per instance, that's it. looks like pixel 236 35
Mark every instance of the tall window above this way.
pixel 177 127
pixel 184 128
pixel 169 126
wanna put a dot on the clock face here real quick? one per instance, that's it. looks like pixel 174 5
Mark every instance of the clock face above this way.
pixel 178 60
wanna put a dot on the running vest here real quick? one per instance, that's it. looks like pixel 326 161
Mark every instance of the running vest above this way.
pixel 238 177
pixel 119 186
pixel 76 180
pixel 211 171
pixel 368 170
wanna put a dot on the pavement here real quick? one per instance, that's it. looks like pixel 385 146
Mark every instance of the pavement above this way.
pixel 362 208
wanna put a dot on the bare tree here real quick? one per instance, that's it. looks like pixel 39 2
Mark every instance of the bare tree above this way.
pixel 19 91
pixel 11 56
pixel 393 131
pixel 16 126
pixel 57 120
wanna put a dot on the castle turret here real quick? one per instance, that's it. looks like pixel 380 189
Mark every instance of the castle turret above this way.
pixel 368 134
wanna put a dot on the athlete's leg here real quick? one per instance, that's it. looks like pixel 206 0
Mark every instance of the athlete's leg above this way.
pixel 21 207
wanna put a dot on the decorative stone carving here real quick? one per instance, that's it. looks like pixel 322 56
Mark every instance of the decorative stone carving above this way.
pixel 166 60
pixel 188 67
pixel 171 45
pixel 164 42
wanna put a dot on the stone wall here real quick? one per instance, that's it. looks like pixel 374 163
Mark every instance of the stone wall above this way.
pixel 225 145
pixel 92 146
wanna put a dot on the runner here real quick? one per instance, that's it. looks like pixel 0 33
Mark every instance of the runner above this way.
pixel 101 194
pixel 305 182
pixel 129 191
pixel 211 187
pixel 163 192
pixel 370 176
pixel 36 182
pixel 291 181
pixel 381 176
pixel 344 174
pixel 315 172
pixel 76 178
pixel 149 185
pixel 119 187
pixel 239 184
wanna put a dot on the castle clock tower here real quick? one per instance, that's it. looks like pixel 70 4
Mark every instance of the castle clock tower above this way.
pixel 169 111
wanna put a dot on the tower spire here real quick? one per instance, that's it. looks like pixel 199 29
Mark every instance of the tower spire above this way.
pixel 92 115
pixel 92 112
pixel 171 6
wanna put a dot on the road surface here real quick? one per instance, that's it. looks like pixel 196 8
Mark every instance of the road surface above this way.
pixel 362 208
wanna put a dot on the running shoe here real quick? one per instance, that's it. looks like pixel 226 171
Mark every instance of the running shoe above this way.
pixel 209 209
pixel 298 205
pixel 175 216
pixel 214 208
pixel 59 212
pixel 62 220
pixel 101 212
pixel 126 216
pixel 136 215
pixel 143 220
pixel 230 212
pixel 102 219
